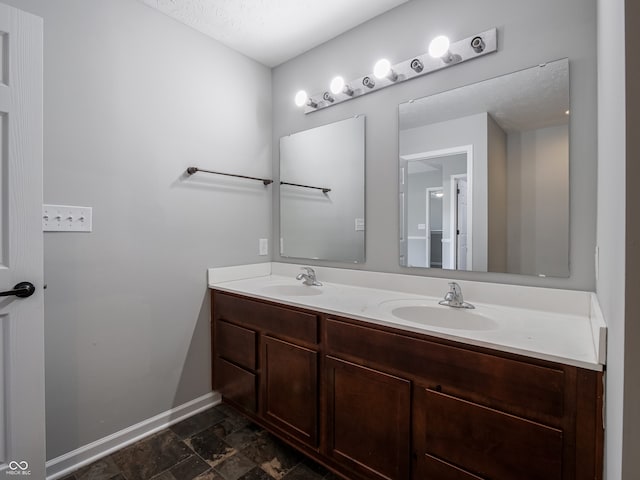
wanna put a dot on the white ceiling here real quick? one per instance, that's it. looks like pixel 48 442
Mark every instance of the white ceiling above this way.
pixel 273 31
pixel 525 100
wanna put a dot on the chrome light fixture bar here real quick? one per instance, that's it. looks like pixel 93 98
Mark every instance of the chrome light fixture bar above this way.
pixel 386 74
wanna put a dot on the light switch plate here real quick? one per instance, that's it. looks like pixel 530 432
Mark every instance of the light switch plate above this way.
pixel 264 246
pixel 359 224
pixel 66 218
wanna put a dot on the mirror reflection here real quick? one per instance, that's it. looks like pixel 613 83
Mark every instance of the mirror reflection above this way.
pixel 484 175
pixel 322 192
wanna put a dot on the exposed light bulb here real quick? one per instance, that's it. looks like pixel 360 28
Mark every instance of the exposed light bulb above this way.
pixel 567 112
pixel 301 98
pixel 382 69
pixel 439 46
pixel 337 85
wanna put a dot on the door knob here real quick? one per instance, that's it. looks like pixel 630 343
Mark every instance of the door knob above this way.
pixel 20 290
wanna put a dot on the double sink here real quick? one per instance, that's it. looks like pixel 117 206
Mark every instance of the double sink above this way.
pixel 422 312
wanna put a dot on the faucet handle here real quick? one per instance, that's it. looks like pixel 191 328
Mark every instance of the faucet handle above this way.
pixel 309 270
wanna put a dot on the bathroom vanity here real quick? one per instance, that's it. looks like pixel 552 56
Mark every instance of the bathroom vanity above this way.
pixel 374 400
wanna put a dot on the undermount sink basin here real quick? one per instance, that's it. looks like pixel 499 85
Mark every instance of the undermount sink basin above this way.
pixel 292 290
pixel 440 316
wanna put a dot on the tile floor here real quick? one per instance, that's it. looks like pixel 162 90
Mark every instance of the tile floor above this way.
pixel 217 444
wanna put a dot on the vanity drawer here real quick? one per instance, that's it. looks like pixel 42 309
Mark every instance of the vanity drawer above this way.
pixel 275 320
pixel 235 384
pixel 525 389
pixel 236 344
pixel 489 443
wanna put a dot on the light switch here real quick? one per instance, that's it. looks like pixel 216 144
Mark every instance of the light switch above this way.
pixel 264 246
pixel 359 224
pixel 66 218
pixel 422 226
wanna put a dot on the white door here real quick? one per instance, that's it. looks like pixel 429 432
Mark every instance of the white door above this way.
pixel 22 443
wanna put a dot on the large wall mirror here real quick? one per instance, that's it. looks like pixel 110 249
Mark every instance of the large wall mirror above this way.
pixel 322 192
pixel 484 175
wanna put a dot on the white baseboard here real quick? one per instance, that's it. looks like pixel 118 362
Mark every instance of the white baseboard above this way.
pixel 69 462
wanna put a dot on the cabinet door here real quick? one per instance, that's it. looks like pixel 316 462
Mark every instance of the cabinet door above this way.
pixel 451 433
pixel 368 420
pixel 290 389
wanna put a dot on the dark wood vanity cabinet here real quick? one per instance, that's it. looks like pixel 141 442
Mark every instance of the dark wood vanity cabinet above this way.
pixel 373 402
pixel 265 362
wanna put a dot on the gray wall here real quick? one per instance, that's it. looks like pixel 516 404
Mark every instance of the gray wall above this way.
pixel 558 29
pixel 618 231
pixel 497 203
pixel 132 98
pixel 538 227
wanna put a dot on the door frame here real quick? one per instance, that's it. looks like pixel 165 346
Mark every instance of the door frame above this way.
pixel 448 152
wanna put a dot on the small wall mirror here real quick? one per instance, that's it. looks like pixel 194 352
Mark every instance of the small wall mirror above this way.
pixel 322 192
pixel 484 175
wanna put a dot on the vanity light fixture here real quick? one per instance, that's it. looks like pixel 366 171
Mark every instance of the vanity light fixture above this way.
pixel 338 86
pixel 416 65
pixel 326 96
pixel 382 69
pixel 477 44
pixel 441 54
pixel 303 99
pixel 439 48
pixel 368 82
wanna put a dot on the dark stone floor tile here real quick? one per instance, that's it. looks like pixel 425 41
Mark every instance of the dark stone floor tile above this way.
pixel 190 468
pixel 244 436
pixel 225 409
pixel 303 472
pixel 198 423
pixel 234 467
pixel 273 456
pixel 315 467
pixel 165 476
pixel 256 474
pixel 69 477
pixel 210 475
pixel 210 446
pixel 151 456
pixel 103 469
pixel 232 423
pixel 332 476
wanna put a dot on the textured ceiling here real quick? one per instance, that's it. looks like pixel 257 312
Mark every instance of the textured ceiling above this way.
pixel 272 31
pixel 525 100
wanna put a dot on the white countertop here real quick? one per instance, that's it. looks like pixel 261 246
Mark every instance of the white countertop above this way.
pixel 556 325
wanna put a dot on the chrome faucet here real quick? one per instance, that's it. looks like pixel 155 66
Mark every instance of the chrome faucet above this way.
pixel 309 278
pixel 454 298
